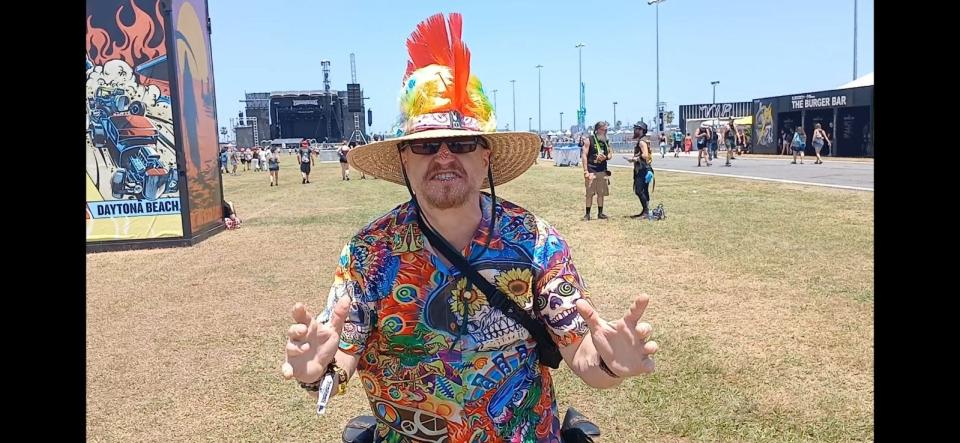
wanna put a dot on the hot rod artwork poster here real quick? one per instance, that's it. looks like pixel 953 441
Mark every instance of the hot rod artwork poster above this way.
pixel 133 186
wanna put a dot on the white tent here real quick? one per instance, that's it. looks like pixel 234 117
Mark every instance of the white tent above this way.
pixel 866 80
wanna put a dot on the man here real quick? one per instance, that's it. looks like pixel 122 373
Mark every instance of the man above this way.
pixel 641 167
pixel 305 157
pixel 677 143
pixel 224 159
pixel 264 151
pixel 594 154
pixel 730 136
pixel 438 359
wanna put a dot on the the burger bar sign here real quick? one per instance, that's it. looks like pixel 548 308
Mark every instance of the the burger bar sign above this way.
pixel 810 101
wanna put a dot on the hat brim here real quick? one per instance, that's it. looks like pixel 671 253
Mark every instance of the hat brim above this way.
pixel 512 154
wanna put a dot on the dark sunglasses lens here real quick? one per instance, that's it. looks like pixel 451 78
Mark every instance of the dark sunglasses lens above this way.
pixel 463 146
pixel 455 146
pixel 428 148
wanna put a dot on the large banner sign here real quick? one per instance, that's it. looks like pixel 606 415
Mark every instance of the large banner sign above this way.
pixel 132 182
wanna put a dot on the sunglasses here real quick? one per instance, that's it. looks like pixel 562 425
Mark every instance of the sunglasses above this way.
pixel 456 146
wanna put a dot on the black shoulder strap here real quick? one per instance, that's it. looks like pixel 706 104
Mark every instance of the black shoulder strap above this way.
pixel 546 347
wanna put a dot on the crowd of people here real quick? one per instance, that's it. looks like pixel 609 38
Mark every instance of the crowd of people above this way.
pixel 234 160
pixel 729 138
pixel 251 159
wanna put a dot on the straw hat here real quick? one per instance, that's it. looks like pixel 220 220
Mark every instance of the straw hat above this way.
pixel 441 99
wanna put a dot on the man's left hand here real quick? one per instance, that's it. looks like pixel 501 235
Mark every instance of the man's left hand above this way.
pixel 622 343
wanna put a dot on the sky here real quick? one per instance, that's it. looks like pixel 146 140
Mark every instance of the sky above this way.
pixel 754 48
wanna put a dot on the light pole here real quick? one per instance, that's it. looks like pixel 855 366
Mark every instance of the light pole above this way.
pixel 530 124
pixel 715 83
pixel 494 101
pixel 561 122
pixel 539 101
pixel 854 39
pixel 582 111
pixel 614 115
pixel 657 5
pixel 513 85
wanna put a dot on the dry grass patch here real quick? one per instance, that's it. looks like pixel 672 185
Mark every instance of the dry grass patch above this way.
pixel 762 302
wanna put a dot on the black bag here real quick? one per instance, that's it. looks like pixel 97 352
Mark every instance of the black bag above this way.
pixel 360 429
pixel 577 428
pixel 546 348
pixel 658 213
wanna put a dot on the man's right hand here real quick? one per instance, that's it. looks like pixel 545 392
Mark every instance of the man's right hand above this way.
pixel 311 346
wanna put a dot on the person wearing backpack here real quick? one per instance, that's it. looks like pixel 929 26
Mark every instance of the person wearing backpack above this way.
pixel 798 145
pixel 305 158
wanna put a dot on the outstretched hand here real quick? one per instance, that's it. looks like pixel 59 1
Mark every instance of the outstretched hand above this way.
pixel 623 343
pixel 311 346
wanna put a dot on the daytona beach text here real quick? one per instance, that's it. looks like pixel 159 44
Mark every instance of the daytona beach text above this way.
pixel 138 207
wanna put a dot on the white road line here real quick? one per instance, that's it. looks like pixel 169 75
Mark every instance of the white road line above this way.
pixel 749 177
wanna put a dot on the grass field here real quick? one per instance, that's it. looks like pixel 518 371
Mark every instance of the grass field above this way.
pixel 761 299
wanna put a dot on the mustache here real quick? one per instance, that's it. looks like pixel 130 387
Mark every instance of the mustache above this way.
pixel 435 169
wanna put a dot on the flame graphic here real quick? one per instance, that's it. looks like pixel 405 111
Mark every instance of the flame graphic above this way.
pixel 135 46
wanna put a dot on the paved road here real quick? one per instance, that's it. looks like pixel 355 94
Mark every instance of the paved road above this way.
pixel 832 173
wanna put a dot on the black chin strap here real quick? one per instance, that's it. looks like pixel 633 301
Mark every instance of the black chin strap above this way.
pixel 493 201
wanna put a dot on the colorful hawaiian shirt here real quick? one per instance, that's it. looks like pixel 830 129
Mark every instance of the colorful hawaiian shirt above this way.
pixel 437 362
